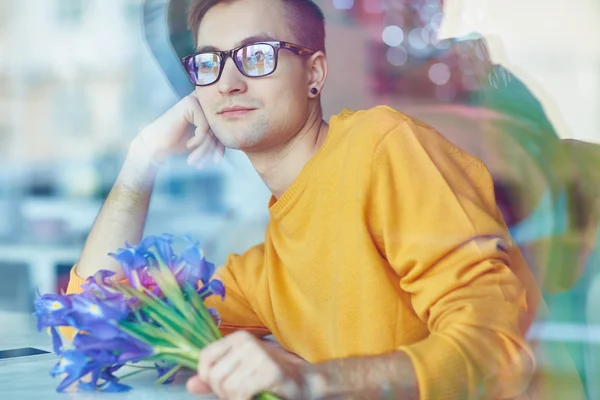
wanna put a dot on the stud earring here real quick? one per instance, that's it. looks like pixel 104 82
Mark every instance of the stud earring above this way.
pixel 314 90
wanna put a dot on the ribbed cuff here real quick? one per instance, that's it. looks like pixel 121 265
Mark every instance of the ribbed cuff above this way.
pixel 442 370
pixel 75 282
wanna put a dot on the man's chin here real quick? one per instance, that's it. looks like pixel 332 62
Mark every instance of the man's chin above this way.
pixel 237 142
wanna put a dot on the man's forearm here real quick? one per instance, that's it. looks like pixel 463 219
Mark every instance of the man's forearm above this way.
pixel 123 214
pixel 388 376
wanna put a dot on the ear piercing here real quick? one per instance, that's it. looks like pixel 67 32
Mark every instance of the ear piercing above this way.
pixel 314 90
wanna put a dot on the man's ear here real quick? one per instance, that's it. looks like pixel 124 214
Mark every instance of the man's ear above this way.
pixel 317 72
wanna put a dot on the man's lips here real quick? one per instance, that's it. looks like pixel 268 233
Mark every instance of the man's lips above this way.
pixel 235 110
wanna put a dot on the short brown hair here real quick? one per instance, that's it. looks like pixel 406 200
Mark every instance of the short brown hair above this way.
pixel 304 16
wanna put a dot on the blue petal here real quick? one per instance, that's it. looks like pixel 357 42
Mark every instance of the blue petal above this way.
pixel 146 243
pixel 75 365
pixel 164 249
pixel 215 286
pixel 113 387
pixel 92 384
pixel 51 310
pixel 56 340
pixel 112 382
pixel 86 309
pixel 122 349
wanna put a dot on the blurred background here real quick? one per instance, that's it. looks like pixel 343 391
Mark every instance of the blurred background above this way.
pixel 516 83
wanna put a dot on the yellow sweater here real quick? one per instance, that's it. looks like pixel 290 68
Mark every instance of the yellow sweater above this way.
pixel 389 239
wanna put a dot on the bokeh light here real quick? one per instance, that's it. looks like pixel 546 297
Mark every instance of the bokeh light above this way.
pixel 343 4
pixel 439 73
pixel 393 35
pixel 397 56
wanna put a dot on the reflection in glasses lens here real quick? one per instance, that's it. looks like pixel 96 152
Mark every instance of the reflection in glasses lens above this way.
pixel 256 59
pixel 204 68
pixel 253 60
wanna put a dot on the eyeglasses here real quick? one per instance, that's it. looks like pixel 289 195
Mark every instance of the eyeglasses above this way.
pixel 252 60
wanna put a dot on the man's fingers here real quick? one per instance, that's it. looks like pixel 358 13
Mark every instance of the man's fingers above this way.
pixel 210 355
pixel 196 385
pixel 204 148
pixel 194 141
pixel 226 367
pixel 244 382
pixel 219 154
pixel 198 156
pixel 194 113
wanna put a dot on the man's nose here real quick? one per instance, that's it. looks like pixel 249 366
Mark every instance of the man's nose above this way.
pixel 232 80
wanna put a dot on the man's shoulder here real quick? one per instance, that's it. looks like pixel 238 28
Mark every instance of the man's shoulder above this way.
pixel 375 120
pixel 368 128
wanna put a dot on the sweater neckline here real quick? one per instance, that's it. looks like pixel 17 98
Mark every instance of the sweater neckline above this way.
pixel 278 208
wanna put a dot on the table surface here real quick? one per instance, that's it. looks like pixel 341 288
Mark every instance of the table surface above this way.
pixel 27 378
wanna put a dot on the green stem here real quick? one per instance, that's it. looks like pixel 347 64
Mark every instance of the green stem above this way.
pixel 166 376
pixel 265 396
pixel 185 358
pixel 175 359
pixel 138 366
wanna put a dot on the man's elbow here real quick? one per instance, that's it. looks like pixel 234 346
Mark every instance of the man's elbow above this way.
pixel 516 372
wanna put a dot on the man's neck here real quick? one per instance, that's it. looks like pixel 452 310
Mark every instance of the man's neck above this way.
pixel 279 167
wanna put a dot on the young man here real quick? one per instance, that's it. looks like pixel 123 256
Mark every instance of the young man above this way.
pixel 386 263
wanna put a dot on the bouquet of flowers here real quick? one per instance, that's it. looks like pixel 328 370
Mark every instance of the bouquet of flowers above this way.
pixel 158 316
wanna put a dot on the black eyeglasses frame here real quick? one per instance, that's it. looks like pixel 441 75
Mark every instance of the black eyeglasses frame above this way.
pixel 223 55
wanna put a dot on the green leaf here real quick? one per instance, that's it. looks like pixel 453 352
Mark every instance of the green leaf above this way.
pixel 198 305
pixel 167 317
pixel 193 326
pixel 168 284
pixel 147 333
pixel 166 281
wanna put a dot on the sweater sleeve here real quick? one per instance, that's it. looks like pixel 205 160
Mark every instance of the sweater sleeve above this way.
pixel 235 311
pixel 434 218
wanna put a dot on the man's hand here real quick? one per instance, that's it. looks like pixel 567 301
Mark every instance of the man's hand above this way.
pixel 172 133
pixel 240 366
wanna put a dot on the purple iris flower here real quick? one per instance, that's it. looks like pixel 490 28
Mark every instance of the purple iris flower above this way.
pixel 96 316
pixel 77 364
pixel 99 286
pixel 215 286
pixel 100 347
pixel 122 348
pixel 74 364
pixel 51 310
pixel 100 358
pixel 193 267
pixel 132 260
pixel 112 385
pixel 162 244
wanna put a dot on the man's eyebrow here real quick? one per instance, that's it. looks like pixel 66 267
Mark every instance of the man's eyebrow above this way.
pixel 261 37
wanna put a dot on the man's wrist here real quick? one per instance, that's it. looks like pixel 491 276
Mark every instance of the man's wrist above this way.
pixel 141 154
pixel 385 376
pixel 138 172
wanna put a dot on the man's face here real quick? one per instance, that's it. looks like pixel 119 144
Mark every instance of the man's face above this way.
pixel 279 101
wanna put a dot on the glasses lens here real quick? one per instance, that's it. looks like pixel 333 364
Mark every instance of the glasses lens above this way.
pixel 256 59
pixel 203 68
